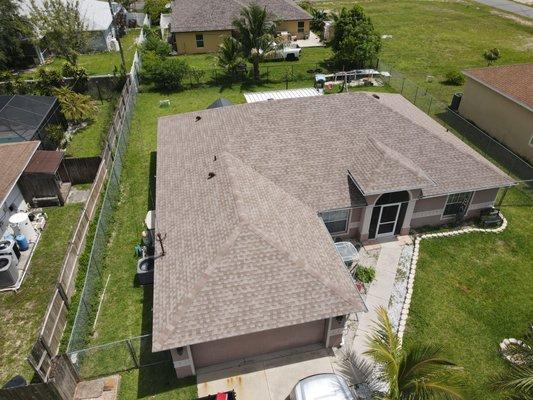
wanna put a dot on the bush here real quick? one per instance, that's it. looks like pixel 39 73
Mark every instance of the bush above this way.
pixel 13 84
pixel 454 78
pixel 365 274
pixel 47 81
pixel 156 45
pixel 80 79
pixel 165 74
pixel 55 136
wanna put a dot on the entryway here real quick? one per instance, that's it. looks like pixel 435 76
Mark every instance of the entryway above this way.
pixel 388 214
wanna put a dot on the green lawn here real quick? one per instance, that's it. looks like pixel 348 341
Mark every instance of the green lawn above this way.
pixel 103 62
pixel 472 291
pixel 21 313
pixel 87 142
pixel 431 37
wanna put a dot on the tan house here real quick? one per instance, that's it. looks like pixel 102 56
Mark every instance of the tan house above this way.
pixel 199 26
pixel 250 197
pixel 499 100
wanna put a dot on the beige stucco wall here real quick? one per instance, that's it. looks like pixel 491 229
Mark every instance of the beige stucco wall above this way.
pixel 499 116
pixel 238 347
pixel 186 42
pixel 292 27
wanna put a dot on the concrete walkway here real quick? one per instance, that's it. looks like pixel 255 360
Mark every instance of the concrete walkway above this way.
pixel 379 292
pixel 509 6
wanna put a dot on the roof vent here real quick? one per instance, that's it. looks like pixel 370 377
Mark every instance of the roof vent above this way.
pixel 375 96
pixel 198 118
pixel 211 175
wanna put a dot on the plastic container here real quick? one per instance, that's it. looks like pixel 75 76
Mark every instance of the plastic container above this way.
pixel 21 225
pixel 22 242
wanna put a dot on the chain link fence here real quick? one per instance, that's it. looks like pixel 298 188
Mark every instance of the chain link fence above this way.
pixel 115 150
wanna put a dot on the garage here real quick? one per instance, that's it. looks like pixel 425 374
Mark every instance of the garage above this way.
pixel 245 346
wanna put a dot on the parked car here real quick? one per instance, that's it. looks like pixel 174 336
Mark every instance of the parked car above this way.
pixel 285 52
pixel 322 387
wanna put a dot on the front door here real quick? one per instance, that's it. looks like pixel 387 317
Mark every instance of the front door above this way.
pixel 388 217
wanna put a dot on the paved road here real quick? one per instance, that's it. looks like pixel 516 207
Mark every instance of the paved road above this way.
pixel 510 6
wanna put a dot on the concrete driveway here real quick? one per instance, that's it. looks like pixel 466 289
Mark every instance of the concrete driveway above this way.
pixel 269 377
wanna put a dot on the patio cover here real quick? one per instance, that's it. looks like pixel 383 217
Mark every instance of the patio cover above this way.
pixel 44 162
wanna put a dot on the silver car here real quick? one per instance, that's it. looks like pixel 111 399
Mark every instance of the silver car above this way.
pixel 322 387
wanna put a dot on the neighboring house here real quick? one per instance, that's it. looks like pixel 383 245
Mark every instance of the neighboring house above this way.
pixel 25 118
pixel 249 197
pixel 199 26
pixel 96 17
pixel 499 100
pixel 13 160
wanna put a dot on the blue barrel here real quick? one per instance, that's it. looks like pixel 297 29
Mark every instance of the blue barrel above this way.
pixel 22 242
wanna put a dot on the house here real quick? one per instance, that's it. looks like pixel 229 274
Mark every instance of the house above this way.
pixel 25 118
pixel 199 26
pixel 249 198
pixel 499 100
pixel 97 20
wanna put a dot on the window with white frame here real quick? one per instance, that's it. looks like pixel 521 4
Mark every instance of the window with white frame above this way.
pixel 456 203
pixel 301 26
pixel 199 40
pixel 336 221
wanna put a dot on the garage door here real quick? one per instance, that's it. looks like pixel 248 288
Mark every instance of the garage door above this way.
pixel 255 344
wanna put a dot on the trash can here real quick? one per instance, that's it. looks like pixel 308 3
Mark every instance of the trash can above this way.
pixel 456 100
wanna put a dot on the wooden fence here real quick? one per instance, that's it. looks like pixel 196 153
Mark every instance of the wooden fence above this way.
pixel 82 169
pixel 61 384
pixel 47 345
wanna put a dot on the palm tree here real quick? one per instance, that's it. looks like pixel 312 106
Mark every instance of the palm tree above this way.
pixel 517 381
pixel 256 31
pixel 229 54
pixel 418 372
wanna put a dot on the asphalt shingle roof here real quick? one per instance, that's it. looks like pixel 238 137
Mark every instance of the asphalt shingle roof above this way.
pixel 218 15
pixel 514 81
pixel 14 157
pixel 238 191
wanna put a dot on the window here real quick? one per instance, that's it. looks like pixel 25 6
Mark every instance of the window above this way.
pixel 301 26
pixel 336 221
pixel 200 40
pixel 456 203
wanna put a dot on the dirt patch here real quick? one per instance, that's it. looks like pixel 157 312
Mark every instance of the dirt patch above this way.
pixel 512 17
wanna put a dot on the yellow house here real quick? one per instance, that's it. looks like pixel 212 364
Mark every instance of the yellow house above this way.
pixel 499 100
pixel 199 26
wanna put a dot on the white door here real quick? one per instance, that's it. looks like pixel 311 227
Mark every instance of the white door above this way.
pixel 388 218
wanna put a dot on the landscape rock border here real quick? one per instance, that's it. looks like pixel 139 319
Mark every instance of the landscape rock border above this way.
pixel 412 271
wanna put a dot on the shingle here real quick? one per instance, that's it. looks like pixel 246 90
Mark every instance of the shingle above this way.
pixel 14 157
pixel 514 81
pixel 245 249
pixel 218 15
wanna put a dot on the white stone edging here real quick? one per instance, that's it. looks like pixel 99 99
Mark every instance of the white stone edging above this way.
pixel 414 260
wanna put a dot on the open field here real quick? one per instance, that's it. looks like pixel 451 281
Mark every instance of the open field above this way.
pixel 472 291
pixel 22 313
pixel 432 37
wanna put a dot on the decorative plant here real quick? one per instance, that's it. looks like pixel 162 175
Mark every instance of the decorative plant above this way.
pixel 229 55
pixel 76 107
pixel 492 55
pixel 365 274
pixel 454 78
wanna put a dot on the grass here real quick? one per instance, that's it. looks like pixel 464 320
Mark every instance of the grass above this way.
pixel 21 313
pixel 87 142
pixel 472 291
pixel 432 37
pixel 101 63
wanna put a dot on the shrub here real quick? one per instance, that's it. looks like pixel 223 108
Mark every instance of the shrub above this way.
pixel 55 136
pixel 156 45
pixel 365 274
pixel 47 81
pixel 454 78
pixel 492 55
pixel 165 74
pixel 80 79
pixel 13 84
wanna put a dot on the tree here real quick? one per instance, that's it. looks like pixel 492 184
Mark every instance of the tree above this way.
pixel 59 25
pixel 48 80
pixel 418 372
pixel 256 31
pixel 517 380
pixel 166 74
pixel 229 55
pixel 154 8
pixel 319 19
pixel 75 107
pixel 492 55
pixel 14 30
pixel 355 42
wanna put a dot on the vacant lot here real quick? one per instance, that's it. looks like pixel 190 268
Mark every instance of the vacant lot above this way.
pixel 22 313
pixel 432 37
pixel 474 290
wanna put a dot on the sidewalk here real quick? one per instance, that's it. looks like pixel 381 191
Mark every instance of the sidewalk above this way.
pixel 509 6
pixel 379 292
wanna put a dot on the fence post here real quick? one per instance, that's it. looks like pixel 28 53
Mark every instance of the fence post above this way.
pixel 132 351
pixel 63 294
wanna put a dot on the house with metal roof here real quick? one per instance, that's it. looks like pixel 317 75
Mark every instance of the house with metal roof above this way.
pixel 499 100
pixel 248 206
pixel 25 117
pixel 199 26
